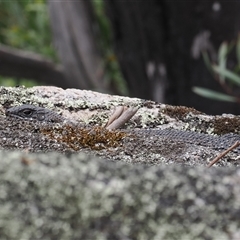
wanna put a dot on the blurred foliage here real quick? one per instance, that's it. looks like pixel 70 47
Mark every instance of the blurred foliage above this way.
pixel 10 82
pixel 229 80
pixel 113 74
pixel 204 92
pixel 25 25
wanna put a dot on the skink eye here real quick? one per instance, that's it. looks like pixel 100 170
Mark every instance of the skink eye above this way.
pixel 27 112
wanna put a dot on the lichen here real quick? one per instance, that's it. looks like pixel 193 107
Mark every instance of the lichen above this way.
pixel 83 197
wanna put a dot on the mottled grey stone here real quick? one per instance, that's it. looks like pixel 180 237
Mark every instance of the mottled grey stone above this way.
pixel 75 196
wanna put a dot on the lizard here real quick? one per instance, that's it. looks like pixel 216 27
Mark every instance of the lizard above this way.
pixel 31 112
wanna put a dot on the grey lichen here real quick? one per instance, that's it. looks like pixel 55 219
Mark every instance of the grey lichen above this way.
pixel 77 196
pixel 150 114
pixel 81 197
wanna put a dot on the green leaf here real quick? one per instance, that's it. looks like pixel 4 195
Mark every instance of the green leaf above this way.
pixel 238 49
pixel 222 53
pixel 207 93
pixel 234 78
pixel 207 61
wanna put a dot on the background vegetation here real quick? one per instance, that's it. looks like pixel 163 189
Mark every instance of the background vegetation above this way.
pixel 228 79
pixel 25 25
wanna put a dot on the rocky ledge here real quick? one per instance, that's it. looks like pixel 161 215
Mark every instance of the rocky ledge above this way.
pixel 72 194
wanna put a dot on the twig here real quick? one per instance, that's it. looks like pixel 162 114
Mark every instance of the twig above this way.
pixel 123 118
pixel 116 114
pixel 235 145
pixel 23 64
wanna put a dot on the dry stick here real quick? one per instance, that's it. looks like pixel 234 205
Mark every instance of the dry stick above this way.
pixel 126 115
pixel 116 114
pixel 235 145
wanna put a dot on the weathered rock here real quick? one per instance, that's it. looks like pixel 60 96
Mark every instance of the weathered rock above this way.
pixel 77 196
pixel 52 196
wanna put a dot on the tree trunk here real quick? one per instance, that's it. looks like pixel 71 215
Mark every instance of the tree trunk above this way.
pixel 139 43
pixel 75 43
pixel 159 44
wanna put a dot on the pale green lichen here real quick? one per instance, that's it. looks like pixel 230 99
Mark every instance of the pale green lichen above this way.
pixel 76 197
pixel 149 115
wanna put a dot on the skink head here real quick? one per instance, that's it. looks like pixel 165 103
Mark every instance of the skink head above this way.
pixel 31 112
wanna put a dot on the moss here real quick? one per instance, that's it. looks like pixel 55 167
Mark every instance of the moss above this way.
pixel 179 112
pixel 225 125
pixel 95 138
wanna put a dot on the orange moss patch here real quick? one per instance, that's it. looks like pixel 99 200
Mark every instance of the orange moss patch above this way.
pixel 225 125
pixel 179 112
pixel 76 138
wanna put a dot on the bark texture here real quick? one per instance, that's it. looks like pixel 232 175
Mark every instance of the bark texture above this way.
pixel 76 44
pixel 159 44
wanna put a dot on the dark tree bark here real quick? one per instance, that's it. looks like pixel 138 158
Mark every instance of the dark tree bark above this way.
pixel 139 39
pixel 190 21
pixel 76 44
pixel 159 44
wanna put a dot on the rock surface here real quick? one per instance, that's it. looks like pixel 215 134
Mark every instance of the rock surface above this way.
pixel 51 196
pixel 142 188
